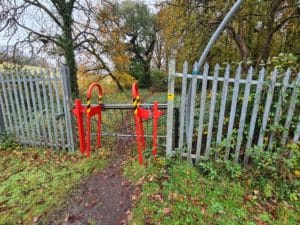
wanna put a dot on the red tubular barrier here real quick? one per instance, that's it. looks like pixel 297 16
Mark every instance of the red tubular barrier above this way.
pixel 92 111
pixel 79 111
pixel 141 114
pixel 138 122
pixel 79 115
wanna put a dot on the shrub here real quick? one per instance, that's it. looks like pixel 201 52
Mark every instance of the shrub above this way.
pixel 159 80
pixel 273 173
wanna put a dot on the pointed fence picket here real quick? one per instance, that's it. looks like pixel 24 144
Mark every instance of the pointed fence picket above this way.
pixel 278 112
pixel 222 109
pixel 6 102
pixel 192 113
pixel 232 111
pixel 291 109
pixel 267 109
pixel 241 112
pixel 35 108
pixel 212 110
pixel 243 115
pixel 297 133
pixel 182 106
pixel 202 110
pixel 254 113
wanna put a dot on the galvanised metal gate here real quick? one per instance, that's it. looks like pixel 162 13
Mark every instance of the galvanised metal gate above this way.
pixel 35 108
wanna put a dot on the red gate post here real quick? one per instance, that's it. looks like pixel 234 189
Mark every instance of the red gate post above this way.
pixel 78 113
pixel 138 122
pixel 140 114
pixel 91 111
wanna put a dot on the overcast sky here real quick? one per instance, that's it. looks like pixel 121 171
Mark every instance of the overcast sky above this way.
pixel 4 40
pixel 28 19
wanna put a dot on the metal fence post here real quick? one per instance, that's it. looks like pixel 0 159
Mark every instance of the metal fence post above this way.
pixel 176 130
pixel 2 125
pixel 170 111
pixel 68 105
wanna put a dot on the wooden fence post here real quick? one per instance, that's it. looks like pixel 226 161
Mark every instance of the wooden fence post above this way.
pixel 170 111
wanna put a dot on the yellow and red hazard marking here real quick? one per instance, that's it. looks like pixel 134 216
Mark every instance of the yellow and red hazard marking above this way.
pixel 140 115
pixel 79 111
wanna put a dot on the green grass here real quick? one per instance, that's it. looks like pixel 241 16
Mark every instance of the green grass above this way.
pixel 35 182
pixel 176 193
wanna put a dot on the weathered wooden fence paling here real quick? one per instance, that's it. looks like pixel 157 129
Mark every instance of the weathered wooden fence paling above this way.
pixel 35 108
pixel 233 115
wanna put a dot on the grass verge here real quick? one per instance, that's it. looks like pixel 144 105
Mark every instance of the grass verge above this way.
pixel 176 193
pixel 34 182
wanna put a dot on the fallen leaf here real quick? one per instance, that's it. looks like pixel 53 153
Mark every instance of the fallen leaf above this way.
pixel 167 211
pixel 203 209
pixel 256 192
pixel 247 197
pixel 157 197
pixel 151 178
pixel 259 221
pixel 137 191
pixel 140 181
pixel 35 219
pixel 129 215
pixel 72 218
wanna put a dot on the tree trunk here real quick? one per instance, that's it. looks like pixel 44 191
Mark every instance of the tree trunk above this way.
pixel 71 63
pixel 146 79
pixel 265 51
pixel 117 82
pixel 269 32
pixel 242 46
pixel 69 51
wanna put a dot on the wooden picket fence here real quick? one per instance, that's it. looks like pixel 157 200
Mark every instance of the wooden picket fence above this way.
pixel 35 108
pixel 222 116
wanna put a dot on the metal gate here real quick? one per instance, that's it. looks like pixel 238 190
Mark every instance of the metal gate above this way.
pixel 35 108
pixel 118 126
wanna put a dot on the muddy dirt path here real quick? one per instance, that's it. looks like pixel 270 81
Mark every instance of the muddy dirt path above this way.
pixel 104 198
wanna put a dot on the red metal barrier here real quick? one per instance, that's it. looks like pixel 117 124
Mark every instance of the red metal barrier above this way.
pixel 138 122
pixel 92 111
pixel 79 111
pixel 140 115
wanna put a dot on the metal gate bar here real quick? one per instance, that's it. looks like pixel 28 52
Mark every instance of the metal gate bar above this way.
pixel 118 122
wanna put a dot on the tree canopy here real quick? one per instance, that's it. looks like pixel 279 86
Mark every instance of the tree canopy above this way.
pixel 259 30
pixel 130 30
